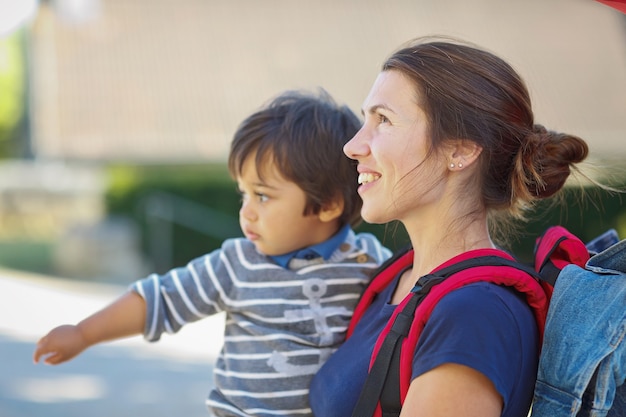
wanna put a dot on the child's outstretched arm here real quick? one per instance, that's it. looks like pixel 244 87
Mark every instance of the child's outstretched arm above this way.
pixel 124 317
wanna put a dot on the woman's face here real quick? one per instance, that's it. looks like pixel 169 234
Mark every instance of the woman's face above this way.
pixel 399 176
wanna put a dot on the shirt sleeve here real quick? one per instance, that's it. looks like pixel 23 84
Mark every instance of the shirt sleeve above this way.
pixel 180 296
pixel 485 327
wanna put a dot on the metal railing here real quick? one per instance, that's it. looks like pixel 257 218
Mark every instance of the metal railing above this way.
pixel 164 210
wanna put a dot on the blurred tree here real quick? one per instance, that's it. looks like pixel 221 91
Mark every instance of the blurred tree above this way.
pixel 12 94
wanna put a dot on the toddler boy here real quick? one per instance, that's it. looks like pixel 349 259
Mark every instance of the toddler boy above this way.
pixel 288 287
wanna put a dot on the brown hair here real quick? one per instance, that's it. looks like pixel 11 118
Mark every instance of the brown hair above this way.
pixel 469 93
pixel 303 134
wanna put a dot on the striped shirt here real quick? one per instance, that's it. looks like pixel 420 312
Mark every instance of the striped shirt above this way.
pixel 281 323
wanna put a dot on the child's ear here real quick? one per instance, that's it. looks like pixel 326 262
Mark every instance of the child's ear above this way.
pixel 331 211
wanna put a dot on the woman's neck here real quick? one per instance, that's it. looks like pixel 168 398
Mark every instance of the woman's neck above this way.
pixel 433 246
pixel 436 242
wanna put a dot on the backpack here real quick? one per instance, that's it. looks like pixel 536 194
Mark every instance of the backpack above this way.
pixel 582 366
pixel 390 366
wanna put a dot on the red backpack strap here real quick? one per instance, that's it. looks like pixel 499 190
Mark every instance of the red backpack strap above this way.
pixel 387 272
pixel 554 250
pixel 482 265
pixel 385 359
pixel 511 276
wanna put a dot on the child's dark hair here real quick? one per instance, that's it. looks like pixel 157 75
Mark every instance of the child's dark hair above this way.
pixel 303 134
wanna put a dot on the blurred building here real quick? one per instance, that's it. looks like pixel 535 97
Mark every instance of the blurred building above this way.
pixel 170 80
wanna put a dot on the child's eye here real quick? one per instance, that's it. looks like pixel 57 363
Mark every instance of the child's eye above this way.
pixel 262 197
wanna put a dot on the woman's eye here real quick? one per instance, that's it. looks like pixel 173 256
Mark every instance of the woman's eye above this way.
pixel 381 118
pixel 262 197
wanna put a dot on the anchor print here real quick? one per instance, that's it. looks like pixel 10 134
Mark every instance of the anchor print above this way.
pixel 314 289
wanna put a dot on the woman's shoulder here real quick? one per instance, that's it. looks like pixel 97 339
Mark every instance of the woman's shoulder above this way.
pixel 495 302
pixel 495 314
pixel 487 327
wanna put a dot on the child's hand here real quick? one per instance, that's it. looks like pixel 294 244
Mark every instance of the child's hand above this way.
pixel 60 345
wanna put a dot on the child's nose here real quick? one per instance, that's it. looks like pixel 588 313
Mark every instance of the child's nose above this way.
pixel 247 211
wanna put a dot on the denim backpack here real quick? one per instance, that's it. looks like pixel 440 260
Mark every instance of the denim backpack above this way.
pixel 582 367
pixel 390 366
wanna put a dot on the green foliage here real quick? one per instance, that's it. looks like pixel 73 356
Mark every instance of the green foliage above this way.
pixel 135 190
pixel 587 213
pixel 27 255
pixel 138 191
pixel 208 184
pixel 12 90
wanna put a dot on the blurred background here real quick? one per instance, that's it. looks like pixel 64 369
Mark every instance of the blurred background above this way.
pixel 116 118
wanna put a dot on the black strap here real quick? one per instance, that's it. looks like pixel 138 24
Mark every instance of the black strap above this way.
pixel 375 382
pixel 371 392
pixel 549 272
pixel 490 260
pixel 383 382
pixel 390 397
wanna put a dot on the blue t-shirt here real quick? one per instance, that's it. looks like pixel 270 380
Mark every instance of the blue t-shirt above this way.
pixel 484 326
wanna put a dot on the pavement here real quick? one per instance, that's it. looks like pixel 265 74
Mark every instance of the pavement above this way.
pixel 130 377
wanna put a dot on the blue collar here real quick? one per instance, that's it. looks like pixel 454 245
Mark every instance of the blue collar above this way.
pixel 324 249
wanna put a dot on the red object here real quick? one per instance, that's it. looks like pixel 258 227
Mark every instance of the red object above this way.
pixel 555 249
pixel 616 4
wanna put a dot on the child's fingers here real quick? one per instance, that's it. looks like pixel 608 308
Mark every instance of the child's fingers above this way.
pixel 42 349
pixel 39 350
pixel 60 345
pixel 48 357
pixel 53 359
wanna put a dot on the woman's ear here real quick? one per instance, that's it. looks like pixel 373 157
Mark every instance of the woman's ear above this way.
pixel 463 153
pixel 332 210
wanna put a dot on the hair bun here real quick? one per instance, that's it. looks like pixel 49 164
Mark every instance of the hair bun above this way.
pixel 551 155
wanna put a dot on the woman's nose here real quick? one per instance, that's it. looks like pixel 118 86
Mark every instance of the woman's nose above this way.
pixel 357 146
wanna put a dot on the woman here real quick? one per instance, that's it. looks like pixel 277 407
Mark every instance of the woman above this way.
pixel 449 146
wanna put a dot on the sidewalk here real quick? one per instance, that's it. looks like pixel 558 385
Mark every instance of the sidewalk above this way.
pixel 124 378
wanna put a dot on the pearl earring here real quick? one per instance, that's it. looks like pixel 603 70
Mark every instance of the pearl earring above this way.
pixel 452 165
pixel 460 165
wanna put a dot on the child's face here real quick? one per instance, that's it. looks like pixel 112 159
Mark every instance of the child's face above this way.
pixel 271 213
